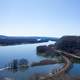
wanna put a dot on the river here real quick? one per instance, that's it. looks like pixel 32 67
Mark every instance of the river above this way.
pixel 27 51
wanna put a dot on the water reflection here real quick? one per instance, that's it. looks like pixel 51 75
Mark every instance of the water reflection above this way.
pixel 18 65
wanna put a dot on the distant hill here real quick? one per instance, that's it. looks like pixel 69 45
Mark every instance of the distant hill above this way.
pixel 10 40
pixel 2 36
pixel 69 44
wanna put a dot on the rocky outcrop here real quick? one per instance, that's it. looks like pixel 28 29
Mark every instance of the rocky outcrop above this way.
pixel 42 49
pixel 46 50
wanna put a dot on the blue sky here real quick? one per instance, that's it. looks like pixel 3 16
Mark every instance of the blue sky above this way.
pixel 39 17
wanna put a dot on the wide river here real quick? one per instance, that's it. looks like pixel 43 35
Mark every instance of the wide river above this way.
pixel 27 51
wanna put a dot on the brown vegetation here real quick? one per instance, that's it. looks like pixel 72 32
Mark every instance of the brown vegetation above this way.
pixel 69 44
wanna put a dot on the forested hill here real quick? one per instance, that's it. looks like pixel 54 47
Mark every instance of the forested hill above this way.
pixel 69 44
pixel 10 40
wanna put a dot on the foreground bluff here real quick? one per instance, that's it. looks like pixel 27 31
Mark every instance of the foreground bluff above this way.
pixel 69 44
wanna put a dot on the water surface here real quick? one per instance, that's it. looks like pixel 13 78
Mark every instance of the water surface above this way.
pixel 27 51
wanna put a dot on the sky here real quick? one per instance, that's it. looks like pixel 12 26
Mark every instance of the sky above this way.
pixel 53 18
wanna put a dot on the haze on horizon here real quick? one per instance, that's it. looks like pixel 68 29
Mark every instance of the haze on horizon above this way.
pixel 39 17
